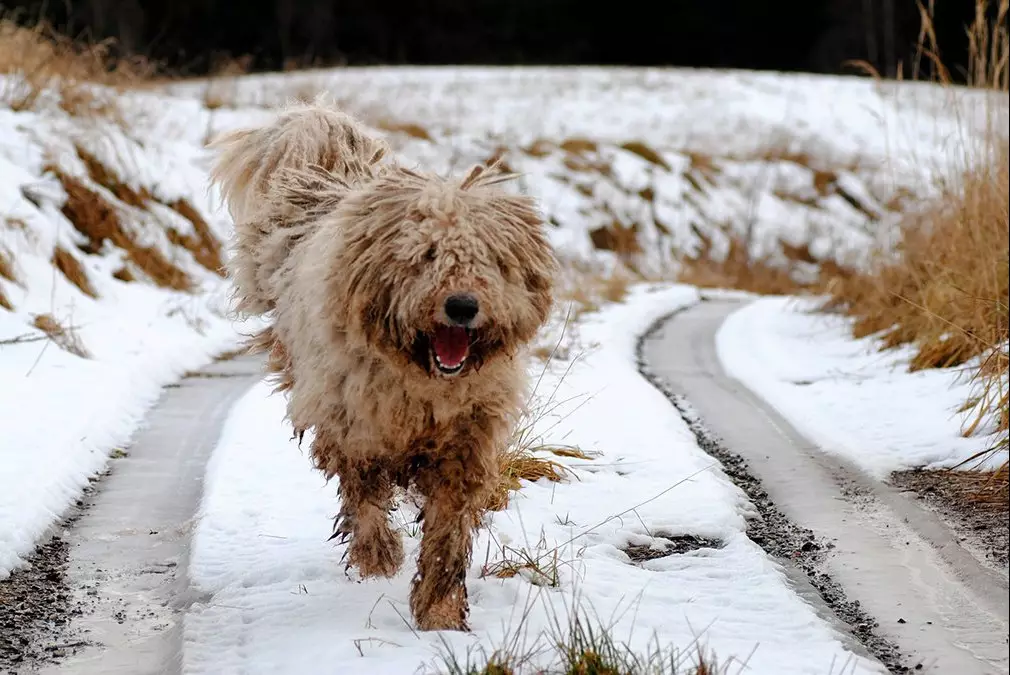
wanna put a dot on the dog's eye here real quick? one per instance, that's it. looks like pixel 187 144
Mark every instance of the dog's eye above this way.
pixel 429 255
pixel 503 268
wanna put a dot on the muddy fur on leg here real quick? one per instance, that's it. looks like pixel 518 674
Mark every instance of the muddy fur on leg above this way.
pixel 400 305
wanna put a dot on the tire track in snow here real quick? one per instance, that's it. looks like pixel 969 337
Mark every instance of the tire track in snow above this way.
pixel 129 547
pixel 873 562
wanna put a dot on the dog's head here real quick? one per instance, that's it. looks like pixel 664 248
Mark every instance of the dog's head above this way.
pixel 442 276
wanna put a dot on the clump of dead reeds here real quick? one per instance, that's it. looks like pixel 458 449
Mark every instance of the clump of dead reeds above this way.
pixel 739 269
pixel 99 221
pixel 63 337
pixel 945 289
pixel 83 76
pixel 579 644
pixel 72 269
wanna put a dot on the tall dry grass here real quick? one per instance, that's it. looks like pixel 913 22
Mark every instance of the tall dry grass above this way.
pixel 945 290
pixel 38 61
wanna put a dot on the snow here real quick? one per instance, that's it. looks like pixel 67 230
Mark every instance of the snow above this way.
pixel 816 161
pixel 762 156
pixel 846 395
pixel 63 411
pixel 278 600
pixel 63 414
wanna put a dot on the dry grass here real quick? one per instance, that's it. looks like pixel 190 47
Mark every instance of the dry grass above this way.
pixel 539 568
pixel 586 290
pixel 945 292
pixel 647 153
pixel 221 92
pixel 204 246
pixel 70 267
pixel 41 60
pixel 99 220
pixel 578 645
pixel 64 338
pixel 6 272
pixel 740 270
pixel 617 237
pixel 108 179
pixel 7 266
pixel 407 128
pixel 526 459
pixel 523 462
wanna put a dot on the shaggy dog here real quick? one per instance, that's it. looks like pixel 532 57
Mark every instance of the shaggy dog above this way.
pixel 399 304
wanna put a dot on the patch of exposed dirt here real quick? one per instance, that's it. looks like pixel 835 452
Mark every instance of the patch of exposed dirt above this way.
pixel 667 545
pixel 37 605
pixel 962 500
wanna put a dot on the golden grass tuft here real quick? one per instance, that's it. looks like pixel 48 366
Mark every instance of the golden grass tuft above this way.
pixel 946 289
pixel 204 246
pixel 578 146
pixel 647 153
pixel 539 567
pixel 70 267
pixel 6 272
pixel 41 60
pixel 740 270
pixel 618 238
pixel 105 177
pixel 98 220
pixel 407 128
pixel 517 464
pixel 64 338
pixel 539 148
pixel 7 266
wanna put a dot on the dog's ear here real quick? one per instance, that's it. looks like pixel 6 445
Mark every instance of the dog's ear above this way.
pixel 519 209
pixel 310 190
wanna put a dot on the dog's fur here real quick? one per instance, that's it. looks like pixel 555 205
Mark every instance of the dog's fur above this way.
pixel 353 257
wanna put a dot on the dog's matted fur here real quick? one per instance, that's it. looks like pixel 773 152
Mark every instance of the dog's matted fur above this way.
pixel 399 304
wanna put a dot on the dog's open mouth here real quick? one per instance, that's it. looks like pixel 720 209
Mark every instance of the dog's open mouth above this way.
pixel 450 346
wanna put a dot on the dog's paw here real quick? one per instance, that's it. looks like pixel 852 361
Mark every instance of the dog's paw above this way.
pixel 449 613
pixel 378 555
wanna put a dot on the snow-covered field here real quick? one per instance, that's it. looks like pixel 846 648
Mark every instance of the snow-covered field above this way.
pixel 633 167
pixel 846 395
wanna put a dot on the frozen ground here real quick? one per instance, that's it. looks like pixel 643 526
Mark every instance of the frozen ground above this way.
pixel 278 602
pixel 844 394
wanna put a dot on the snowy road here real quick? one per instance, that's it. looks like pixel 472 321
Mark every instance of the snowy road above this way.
pixel 129 552
pixel 931 597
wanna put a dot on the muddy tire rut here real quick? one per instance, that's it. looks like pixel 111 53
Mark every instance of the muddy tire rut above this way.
pixel 887 573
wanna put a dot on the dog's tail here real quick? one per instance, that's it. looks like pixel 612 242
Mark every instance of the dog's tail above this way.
pixel 258 172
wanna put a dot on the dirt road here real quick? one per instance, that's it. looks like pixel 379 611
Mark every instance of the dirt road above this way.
pixel 129 549
pixel 937 608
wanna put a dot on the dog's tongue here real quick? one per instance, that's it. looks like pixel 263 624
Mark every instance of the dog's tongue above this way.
pixel 450 345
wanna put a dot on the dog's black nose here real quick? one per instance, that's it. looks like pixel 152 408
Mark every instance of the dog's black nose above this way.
pixel 461 308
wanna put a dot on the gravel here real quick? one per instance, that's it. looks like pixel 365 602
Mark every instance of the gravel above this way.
pixel 773 531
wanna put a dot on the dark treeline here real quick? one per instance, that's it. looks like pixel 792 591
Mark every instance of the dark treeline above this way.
pixel 194 36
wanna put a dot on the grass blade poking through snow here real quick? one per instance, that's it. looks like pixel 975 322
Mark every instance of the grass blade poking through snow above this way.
pixel 524 459
pixel 945 292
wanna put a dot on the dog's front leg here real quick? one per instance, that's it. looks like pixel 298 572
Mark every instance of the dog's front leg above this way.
pixel 454 487
pixel 376 549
